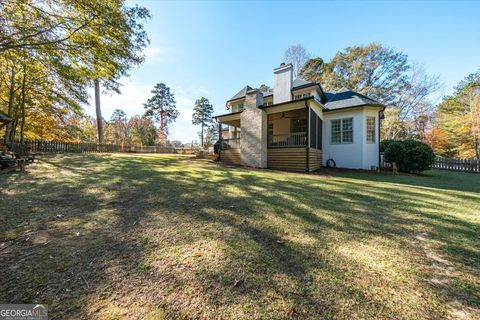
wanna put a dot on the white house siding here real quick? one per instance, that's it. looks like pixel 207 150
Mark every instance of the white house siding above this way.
pixel 356 155
pixel 370 150
pixel 282 83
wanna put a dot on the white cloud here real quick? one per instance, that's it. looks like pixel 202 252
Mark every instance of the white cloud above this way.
pixel 157 54
pixel 135 93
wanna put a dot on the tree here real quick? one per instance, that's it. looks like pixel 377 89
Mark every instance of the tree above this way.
pixel 202 115
pixel 459 117
pixel 211 136
pixel 120 126
pixel 176 143
pixel 437 139
pixel 75 44
pixel 36 98
pixel 313 69
pixel 409 155
pixel 381 74
pixel 162 108
pixel 143 131
pixel 264 88
pixel 297 55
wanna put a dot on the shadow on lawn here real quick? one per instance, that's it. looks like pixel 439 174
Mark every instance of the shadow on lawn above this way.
pixel 145 237
pixel 437 179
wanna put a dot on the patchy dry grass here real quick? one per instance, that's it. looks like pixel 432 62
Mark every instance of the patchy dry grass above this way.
pixel 157 236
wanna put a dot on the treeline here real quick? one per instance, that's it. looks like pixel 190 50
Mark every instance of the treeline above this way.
pixel 52 52
pixel 456 123
pixel 451 127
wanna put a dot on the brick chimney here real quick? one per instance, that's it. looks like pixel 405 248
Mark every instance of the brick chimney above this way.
pixel 253 144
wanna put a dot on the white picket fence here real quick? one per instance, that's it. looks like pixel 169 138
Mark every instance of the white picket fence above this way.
pixel 463 165
pixel 452 164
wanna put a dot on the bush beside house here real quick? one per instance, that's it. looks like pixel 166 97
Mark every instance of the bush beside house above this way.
pixel 410 155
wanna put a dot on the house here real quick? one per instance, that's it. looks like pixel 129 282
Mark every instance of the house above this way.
pixel 300 127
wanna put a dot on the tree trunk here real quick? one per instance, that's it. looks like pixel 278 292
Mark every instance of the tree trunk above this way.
pixel 163 128
pixel 23 94
pixel 201 137
pixel 16 116
pixel 10 105
pixel 98 110
pixel 476 145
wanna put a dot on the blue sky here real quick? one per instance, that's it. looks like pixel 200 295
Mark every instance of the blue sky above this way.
pixel 213 49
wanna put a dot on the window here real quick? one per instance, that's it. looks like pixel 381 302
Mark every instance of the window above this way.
pixel 347 130
pixel 301 96
pixel 268 103
pixel 336 134
pixel 370 129
pixel 341 131
pixel 237 107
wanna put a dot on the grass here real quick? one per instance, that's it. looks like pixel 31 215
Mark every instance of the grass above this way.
pixel 163 236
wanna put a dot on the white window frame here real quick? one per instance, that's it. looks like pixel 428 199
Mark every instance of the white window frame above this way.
pixel 374 131
pixel 302 96
pixel 236 105
pixel 341 131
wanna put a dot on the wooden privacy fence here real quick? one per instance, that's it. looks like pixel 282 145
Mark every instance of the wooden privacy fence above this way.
pixel 464 165
pixel 43 146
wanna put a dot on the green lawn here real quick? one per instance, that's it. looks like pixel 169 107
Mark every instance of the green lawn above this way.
pixel 160 236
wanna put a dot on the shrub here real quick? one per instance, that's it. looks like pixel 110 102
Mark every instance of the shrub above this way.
pixel 394 151
pixel 385 143
pixel 409 155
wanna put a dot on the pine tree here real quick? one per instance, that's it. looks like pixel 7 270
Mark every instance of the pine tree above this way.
pixel 162 108
pixel 202 115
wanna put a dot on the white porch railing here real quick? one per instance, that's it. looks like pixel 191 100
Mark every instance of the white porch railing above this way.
pixel 293 139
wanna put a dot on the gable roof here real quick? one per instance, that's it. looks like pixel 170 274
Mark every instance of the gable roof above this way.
pixel 345 98
pixel 300 83
pixel 296 84
pixel 268 93
pixel 240 94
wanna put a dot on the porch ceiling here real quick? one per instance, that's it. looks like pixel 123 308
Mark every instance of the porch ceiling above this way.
pixel 294 105
pixel 230 119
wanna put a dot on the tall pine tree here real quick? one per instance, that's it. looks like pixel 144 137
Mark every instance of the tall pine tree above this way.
pixel 162 108
pixel 202 115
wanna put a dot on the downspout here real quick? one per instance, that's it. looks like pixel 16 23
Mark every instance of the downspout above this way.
pixel 219 137
pixel 380 115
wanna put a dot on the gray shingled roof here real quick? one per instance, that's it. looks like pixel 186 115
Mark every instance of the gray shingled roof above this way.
pixel 241 93
pixel 296 83
pixel 345 98
pixel 300 82
pixel 268 93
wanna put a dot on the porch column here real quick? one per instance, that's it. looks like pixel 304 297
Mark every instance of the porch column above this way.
pixel 253 142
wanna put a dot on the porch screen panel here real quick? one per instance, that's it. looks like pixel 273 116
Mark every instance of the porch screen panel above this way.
pixel 319 133
pixel 313 129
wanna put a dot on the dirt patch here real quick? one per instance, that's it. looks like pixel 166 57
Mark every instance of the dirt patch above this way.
pixel 40 237
pixel 442 272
